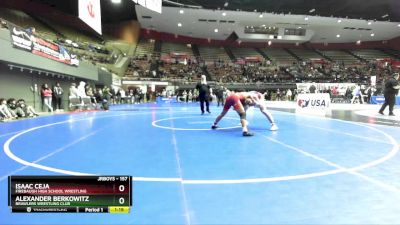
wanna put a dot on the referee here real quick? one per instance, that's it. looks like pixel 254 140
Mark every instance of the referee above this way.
pixel 204 94
pixel 391 89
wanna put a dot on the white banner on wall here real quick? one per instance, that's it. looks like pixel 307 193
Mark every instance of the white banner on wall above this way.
pixel 90 13
pixel 313 104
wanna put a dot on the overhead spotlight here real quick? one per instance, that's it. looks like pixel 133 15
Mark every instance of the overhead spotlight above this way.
pixel 312 10
pixel 369 22
pixel 224 14
pixel 181 11
pixel 358 42
pixel 179 24
pixel 116 1
pixel 299 27
pixel 339 20
pixel 306 18
pixel 279 37
pixel 226 4
pixel 269 42
pixel 386 15
pixel 261 16
pixel 216 30
pixel 338 35
pixel 398 25
pixel 372 35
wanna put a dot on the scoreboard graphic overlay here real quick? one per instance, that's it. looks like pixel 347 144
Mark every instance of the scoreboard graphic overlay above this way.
pixel 70 194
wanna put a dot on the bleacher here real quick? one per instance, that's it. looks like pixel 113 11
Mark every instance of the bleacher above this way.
pixel 279 56
pixel 340 56
pixel 394 53
pixel 306 54
pixel 245 52
pixel 167 48
pixel 371 54
pixel 144 47
pixel 23 20
pixel 211 54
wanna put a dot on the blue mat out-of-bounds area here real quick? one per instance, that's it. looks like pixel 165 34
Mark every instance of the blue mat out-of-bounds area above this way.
pixel 313 170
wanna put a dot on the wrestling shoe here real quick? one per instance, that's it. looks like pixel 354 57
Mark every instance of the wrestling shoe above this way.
pixel 274 127
pixel 380 112
pixel 247 134
pixel 391 114
pixel 214 127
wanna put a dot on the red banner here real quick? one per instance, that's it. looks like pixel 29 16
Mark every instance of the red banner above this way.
pixel 27 41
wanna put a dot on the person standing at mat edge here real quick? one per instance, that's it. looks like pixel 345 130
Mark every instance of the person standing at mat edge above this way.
pixel 391 89
pixel 204 94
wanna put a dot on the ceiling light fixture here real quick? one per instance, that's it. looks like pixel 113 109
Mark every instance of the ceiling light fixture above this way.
pixel 312 10
pixel 338 35
pixel 261 16
pixel 369 22
pixel 226 4
pixel 116 1
pixel 216 30
pixel 224 14
pixel 181 11
pixel 339 20
pixel 269 42
pixel 306 18
pixel 372 35
pixel 179 24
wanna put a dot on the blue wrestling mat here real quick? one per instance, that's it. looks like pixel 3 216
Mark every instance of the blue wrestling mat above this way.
pixel 313 170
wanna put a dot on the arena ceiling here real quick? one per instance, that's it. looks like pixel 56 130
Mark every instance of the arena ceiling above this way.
pixel 384 16
pixel 382 10
pixel 223 24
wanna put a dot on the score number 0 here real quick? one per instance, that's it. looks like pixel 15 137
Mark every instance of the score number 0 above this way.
pixel 121 200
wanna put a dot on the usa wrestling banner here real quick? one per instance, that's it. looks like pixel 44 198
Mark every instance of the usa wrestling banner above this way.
pixel 314 104
pixel 27 41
